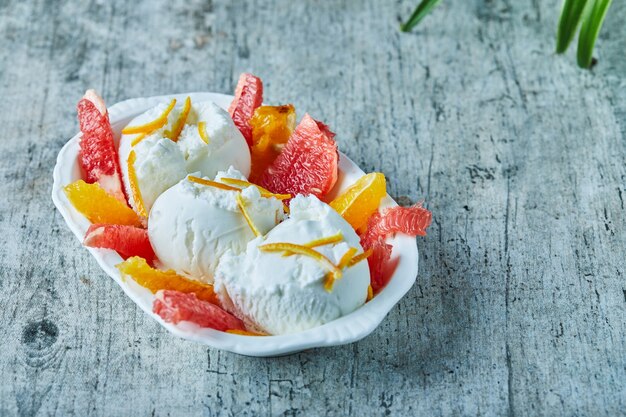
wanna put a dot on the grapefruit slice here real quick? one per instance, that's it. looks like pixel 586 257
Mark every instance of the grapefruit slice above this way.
pixel 155 279
pixel 271 128
pixel 307 164
pixel 175 306
pixel 126 240
pixel 98 206
pixel 361 200
pixel 413 221
pixel 248 96
pixel 98 156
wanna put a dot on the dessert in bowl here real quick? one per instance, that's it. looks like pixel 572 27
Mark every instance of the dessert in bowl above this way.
pixel 242 229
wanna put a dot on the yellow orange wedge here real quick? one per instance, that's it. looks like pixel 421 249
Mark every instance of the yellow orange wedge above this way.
pixel 370 293
pixel 361 200
pixel 244 212
pixel 154 279
pixel 134 185
pixel 203 133
pixel 157 123
pixel 180 122
pixel 98 206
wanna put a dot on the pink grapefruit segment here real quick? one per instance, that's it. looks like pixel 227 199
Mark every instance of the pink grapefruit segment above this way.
pixel 307 164
pixel 248 96
pixel 413 221
pixel 98 156
pixel 175 306
pixel 128 241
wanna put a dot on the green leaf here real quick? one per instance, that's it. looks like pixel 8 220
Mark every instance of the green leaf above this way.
pixel 420 12
pixel 568 23
pixel 592 23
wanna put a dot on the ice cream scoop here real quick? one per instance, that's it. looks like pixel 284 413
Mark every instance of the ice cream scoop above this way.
pixel 277 292
pixel 208 142
pixel 191 225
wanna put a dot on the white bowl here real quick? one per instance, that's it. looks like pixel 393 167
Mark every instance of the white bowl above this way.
pixel 347 329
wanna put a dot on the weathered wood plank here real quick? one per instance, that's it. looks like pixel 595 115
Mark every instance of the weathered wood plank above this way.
pixel 519 305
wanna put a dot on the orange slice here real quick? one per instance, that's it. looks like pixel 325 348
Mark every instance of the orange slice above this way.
pixel 370 293
pixel 264 192
pixel 302 250
pixel 203 133
pixel 361 200
pixel 98 206
pixel 244 212
pixel 157 123
pixel 180 122
pixel 360 257
pixel 155 279
pixel 134 185
pixel 210 183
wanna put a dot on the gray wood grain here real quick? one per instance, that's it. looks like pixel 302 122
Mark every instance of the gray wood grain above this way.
pixel 519 306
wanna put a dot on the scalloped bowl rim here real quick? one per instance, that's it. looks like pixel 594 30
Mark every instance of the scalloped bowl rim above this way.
pixel 347 329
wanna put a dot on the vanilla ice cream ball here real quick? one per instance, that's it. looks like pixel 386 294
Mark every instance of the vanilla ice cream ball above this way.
pixel 192 225
pixel 285 294
pixel 160 162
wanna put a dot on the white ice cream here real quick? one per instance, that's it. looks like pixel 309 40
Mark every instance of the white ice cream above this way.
pixel 278 294
pixel 161 163
pixel 192 225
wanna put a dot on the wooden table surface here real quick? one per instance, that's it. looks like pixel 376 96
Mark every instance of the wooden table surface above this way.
pixel 519 306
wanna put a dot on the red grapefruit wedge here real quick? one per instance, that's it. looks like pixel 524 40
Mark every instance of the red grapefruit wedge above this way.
pixel 98 156
pixel 307 164
pixel 175 306
pixel 128 241
pixel 413 221
pixel 248 96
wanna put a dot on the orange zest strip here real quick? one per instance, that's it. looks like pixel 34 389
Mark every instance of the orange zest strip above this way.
pixel 264 192
pixel 336 238
pixel 180 122
pixel 155 279
pixel 303 250
pixel 134 186
pixel 244 212
pixel 370 293
pixel 345 259
pixel 138 138
pixel 243 332
pixel 203 133
pixel 210 183
pixel 329 282
pixel 157 123
pixel 359 258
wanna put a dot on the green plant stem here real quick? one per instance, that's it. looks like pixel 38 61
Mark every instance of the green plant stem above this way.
pixel 568 23
pixel 418 14
pixel 592 23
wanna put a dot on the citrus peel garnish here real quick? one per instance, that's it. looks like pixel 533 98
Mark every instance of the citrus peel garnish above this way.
pixel 180 122
pixel 264 192
pixel 303 250
pixel 138 138
pixel 243 332
pixel 360 257
pixel 203 133
pixel 155 279
pixel 336 238
pixel 157 123
pixel 345 259
pixel 134 185
pixel 210 183
pixel 244 212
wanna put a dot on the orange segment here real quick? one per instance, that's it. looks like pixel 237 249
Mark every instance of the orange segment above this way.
pixel 370 293
pixel 271 128
pixel 203 133
pixel 134 185
pixel 210 183
pixel 361 200
pixel 360 257
pixel 98 206
pixel 264 192
pixel 180 122
pixel 302 250
pixel 154 279
pixel 157 123
pixel 244 212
